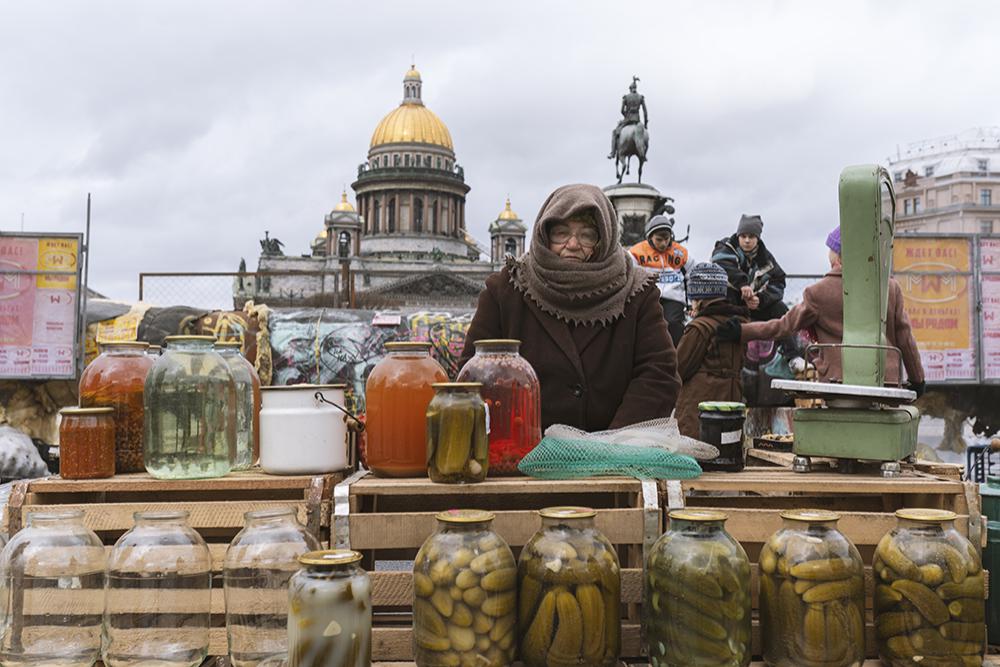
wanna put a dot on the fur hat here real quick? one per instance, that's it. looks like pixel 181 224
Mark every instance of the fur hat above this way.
pixel 707 281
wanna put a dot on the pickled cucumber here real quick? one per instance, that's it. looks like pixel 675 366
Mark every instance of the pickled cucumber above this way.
pixel 930 606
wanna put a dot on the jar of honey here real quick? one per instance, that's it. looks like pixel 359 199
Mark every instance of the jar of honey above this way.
pixel 397 394
pixel 87 443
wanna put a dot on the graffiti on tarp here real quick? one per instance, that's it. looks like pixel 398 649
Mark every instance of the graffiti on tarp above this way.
pixel 445 332
pixel 326 347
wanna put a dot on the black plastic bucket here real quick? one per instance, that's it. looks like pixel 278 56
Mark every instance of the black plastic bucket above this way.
pixel 722 426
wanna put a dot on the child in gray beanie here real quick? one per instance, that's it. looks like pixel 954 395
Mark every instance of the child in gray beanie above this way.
pixel 709 368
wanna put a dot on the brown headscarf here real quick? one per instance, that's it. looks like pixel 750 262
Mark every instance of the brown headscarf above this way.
pixel 595 291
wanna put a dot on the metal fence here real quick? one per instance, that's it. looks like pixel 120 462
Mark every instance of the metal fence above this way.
pixel 222 290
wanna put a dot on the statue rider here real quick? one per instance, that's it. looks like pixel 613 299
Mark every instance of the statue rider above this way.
pixel 632 102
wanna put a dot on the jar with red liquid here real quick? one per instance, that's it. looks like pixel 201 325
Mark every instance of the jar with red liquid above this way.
pixel 397 394
pixel 87 443
pixel 513 395
pixel 116 379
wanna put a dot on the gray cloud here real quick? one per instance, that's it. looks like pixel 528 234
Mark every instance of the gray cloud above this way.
pixel 199 125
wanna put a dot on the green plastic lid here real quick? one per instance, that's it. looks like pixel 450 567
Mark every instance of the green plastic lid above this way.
pixel 721 406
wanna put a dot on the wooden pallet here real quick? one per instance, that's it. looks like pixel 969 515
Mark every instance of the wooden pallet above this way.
pixel 388 520
pixel 216 509
pixel 754 499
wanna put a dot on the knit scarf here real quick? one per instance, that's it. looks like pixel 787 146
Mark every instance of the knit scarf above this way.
pixel 595 291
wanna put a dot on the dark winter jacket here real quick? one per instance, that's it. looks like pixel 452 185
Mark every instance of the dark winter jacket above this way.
pixel 709 369
pixel 592 377
pixel 760 271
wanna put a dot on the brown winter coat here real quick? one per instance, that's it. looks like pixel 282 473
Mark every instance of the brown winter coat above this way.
pixel 709 369
pixel 822 311
pixel 592 377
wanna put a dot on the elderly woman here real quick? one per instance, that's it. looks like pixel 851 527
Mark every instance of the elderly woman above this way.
pixel 589 320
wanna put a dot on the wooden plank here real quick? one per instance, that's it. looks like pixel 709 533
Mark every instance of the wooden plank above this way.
pixel 408 530
pixel 374 486
pixel 143 482
pixel 779 480
pixel 203 514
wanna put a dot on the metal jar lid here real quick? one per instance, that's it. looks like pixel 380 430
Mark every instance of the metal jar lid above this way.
pixel 722 406
pixel 925 515
pixel 405 345
pixel 568 512
pixel 75 411
pixel 330 557
pixel 456 385
pixel 697 515
pixel 465 516
pixel 811 516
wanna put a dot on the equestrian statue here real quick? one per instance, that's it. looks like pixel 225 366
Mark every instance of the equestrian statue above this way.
pixel 630 137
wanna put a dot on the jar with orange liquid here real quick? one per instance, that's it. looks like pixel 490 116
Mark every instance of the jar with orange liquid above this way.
pixel 396 397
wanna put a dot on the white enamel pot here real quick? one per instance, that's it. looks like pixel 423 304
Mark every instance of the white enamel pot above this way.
pixel 300 432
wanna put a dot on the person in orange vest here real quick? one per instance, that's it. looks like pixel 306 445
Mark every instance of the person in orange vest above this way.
pixel 670 261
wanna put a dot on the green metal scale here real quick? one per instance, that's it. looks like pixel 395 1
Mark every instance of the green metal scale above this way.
pixel 862 418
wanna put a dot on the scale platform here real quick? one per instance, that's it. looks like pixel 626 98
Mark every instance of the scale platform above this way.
pixel 839 392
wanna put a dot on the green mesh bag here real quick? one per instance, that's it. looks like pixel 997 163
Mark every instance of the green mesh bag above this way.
pixel 559 458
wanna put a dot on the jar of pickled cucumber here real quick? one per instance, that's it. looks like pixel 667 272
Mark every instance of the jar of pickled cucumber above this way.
pixel 929 592
pixel 330 611
pixel 697 594
pixel 457 434
pixel 812 594
pixel 465 590
pixel 569 593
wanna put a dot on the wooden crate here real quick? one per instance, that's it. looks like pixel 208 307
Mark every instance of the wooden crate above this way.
pixel 388 520
pixel 754 499
pixel 216 509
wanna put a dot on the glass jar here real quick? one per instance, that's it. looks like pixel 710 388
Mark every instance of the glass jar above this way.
pixel 154 351
pixel 697 594
pixel 812 594
pixel 513 395
pixel 53 592
pixel 190 411
pixel 159 597
pixel 86 443
pixel 396 397
pixel 247 404
pixel 457 434
pixel 569 592
pixel 330 611
pixel 929 592
pixel 259 563
pixel 465 590
pixel 116 379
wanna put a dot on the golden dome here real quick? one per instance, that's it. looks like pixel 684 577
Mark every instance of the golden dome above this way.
pixel 344 205
pixel 507 213
pixel 411 121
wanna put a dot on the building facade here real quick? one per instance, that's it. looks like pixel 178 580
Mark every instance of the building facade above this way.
pixel 949 184
pixel 405 242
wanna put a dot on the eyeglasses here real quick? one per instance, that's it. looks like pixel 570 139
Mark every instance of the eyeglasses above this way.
pixel 586 237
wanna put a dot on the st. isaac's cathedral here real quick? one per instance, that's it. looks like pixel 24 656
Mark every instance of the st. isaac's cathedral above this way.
pixel 404 242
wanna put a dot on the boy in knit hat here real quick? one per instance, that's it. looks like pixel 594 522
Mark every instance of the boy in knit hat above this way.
pixel 709 368
pixel 662 254
pixel 755 279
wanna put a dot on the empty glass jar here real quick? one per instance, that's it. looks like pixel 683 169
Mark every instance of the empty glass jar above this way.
pixel 86 443
pixel 159 596
pixel 457 434
pixel 929 592
pixel 247 404
pixel 697 594
pixel 513 395
pixel 191 401
pixel 259 563
pixel 330 611
pixel 812 594
pixel 396 397
pixel 116 379
pixel 569 592
pixel 52 573
pixel 465 587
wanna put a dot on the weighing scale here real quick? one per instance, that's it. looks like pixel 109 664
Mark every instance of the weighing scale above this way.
pixel 862 418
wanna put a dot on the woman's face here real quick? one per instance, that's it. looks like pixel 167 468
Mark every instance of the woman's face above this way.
pixel 574 240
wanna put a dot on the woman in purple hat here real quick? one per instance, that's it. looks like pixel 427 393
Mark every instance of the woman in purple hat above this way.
pixel 822 312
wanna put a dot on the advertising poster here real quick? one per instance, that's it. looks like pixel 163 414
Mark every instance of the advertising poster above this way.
pixel 989 265
pixel 38 312
pixel 935 275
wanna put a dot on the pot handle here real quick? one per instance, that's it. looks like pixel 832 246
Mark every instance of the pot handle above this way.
pixel 322 399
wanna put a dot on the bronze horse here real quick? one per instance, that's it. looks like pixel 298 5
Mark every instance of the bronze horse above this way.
pixel 633 140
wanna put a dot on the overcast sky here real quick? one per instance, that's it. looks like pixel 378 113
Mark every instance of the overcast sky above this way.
pixel 197 125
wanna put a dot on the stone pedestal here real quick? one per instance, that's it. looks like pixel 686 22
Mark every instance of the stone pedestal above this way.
pixel 634 204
